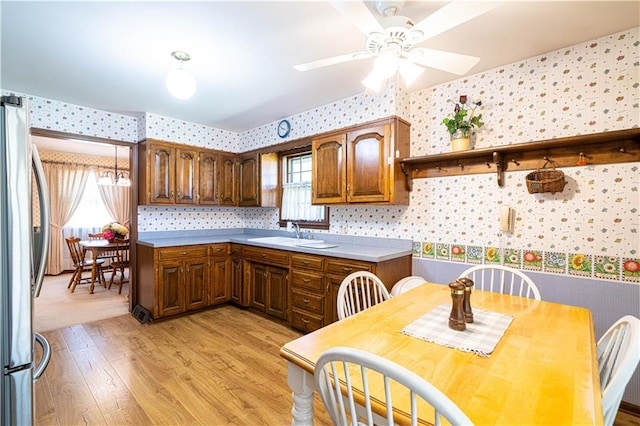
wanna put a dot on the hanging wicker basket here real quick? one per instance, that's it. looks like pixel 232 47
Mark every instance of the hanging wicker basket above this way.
pixel 549 180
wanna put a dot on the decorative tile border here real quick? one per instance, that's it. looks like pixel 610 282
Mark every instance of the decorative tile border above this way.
pixel 576 264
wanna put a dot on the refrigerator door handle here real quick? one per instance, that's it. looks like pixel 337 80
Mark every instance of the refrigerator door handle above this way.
pixel 46 356
pixel 45 222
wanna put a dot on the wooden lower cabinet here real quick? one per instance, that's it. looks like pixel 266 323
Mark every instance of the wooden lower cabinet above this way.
pixel 296 287
pixel 219 274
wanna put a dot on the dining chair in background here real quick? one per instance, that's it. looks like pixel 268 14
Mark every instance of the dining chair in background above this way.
pixel 359 291
pixel 502 279
pixel 121 262
pixel 81 264
pixel 406 284
pixel 618 356
pixel 338 395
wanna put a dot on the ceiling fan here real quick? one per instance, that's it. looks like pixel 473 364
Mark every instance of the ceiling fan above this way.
pixel 392 39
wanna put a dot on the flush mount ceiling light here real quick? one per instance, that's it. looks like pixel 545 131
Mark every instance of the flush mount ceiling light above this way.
pixel 179 81
pixel 392 40
pixel 110 178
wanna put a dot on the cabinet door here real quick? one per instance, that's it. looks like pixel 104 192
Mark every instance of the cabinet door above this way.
pixel 170 288
pixel 368 176
pixel 196 282
pixel 227 182
pixel 208 179
pixel 220 280
pixel 258 286
pixel 236 280
pixel 161 174
pixel 329 180
pixel 249 185
pixel 186 176
pixel 277 290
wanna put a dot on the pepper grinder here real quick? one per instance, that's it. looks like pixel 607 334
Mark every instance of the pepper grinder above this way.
pixel 466 305
pixel 456 318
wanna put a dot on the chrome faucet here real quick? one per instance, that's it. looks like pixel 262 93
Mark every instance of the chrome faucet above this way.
pixel 296 229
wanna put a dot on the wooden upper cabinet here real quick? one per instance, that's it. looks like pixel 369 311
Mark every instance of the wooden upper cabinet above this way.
pixel 227 181
pixel 368 165
pixel 208 178
pixel 161 174
pixel 329 170
pixel 361 165
pixel 249 177
pixel 186 176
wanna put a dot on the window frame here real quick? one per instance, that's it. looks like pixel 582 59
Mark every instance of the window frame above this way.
pixel 322 225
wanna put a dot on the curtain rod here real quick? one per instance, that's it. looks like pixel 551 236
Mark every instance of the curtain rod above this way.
pixel 68 163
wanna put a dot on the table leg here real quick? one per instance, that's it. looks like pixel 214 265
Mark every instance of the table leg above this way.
pixel 302 386
pixel 94 269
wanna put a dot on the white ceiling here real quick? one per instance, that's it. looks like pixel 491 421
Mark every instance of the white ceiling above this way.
pixel 114 56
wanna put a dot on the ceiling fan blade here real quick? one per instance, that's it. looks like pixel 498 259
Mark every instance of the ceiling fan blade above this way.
pixel 332 61
pixel 451 15
pixel 359 15
pixel 454 63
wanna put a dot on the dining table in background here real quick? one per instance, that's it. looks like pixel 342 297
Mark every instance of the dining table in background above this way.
pixel 542 371
pixel 96 247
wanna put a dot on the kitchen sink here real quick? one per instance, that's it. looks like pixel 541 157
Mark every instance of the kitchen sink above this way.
pixel 284 241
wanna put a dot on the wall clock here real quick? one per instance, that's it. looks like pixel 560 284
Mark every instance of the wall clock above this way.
pixel 284 127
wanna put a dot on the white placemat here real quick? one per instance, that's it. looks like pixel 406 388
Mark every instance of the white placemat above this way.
pixel 480 337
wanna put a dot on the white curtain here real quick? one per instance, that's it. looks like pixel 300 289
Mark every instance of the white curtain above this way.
pixel 66 184
pixel 117 201
pixel 296 203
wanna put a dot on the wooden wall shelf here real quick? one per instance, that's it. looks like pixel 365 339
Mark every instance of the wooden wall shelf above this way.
pixel 620 146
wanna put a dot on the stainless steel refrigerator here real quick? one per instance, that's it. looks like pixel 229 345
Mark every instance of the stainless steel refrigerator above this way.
pixel 22 265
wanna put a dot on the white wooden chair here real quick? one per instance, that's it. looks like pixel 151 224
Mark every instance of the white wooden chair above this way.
pixel 406 284
pixel 359 291
pixel 502 279
pixel 618 356
pixel 338 395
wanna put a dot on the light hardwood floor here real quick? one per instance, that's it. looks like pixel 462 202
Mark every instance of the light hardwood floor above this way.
pixel 216 367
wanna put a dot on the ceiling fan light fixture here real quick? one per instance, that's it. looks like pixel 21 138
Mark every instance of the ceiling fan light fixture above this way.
pixel 373 82
pixel 179 81
pixel 409 72
pixel 386 64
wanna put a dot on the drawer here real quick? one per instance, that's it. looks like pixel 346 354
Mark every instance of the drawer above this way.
pixel 268 256
pixel 236 249
pixel 307 280
pixel 345 267
pixel 221 249
pixel 184 252
pixel 308 302
pixel 315 263
pixel 306 322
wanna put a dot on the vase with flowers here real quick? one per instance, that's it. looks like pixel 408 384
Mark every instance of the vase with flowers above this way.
pixel 463 121
pixel 114 230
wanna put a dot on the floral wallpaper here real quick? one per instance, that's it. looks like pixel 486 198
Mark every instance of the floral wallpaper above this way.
pixel 590 229
pixel 66 117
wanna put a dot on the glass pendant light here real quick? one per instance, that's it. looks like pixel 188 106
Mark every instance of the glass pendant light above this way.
pixel 179 81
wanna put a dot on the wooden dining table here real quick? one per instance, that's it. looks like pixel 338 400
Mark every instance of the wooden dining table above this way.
pixel 543 370
pixel 96 247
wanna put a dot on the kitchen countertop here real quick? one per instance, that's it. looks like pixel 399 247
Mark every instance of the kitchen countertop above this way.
pixel 368 249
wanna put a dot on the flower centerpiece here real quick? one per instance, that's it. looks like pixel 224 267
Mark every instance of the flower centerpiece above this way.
pixel 114 230
pixel 463 120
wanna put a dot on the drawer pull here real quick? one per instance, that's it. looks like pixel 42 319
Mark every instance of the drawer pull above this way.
pixel 306 300
pixel 306 280
pixel 305 262
pixel 263 254
pixel 184 253
pixel 304 320
pixel 344 268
